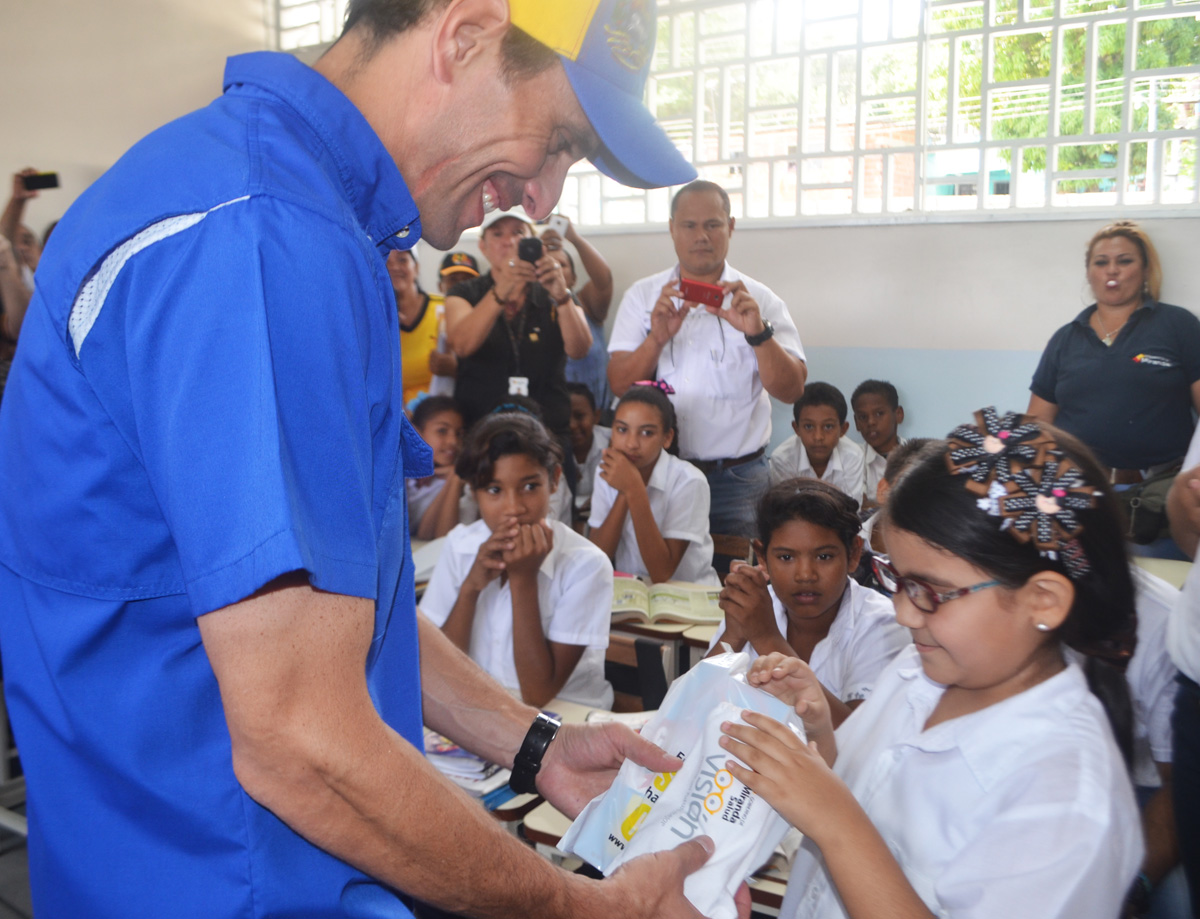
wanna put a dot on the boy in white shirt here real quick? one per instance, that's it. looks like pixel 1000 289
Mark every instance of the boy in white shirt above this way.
pixel 588 442
pixel 819 450
pixel 877 416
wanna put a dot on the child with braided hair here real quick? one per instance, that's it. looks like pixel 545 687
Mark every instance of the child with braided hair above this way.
pixel 981 778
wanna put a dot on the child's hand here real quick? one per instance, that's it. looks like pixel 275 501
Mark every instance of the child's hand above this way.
pixel 749 614
pixel 532 544
pixel 443 472
pixel 618 472
pixel 792 777
pixel 793 681
pixel 489 560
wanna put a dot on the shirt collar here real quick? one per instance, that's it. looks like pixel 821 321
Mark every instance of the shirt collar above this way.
pixel 1148 305
pixel 658 476
pixel 368 174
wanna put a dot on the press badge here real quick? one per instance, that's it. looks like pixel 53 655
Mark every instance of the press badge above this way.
pixel 518 386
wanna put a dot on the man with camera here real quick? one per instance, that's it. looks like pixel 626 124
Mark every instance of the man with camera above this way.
pixel 724 341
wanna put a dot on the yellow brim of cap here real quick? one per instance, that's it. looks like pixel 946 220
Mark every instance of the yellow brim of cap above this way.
pixel 560 26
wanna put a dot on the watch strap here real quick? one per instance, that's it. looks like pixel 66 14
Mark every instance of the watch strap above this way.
pixel 528 760
pixel 762 337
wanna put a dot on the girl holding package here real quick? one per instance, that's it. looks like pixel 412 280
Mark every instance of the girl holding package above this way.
pixel 982 777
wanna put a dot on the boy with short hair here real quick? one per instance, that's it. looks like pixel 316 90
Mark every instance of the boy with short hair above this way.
pixel 819 450
pixel 588 441
pixel 877 415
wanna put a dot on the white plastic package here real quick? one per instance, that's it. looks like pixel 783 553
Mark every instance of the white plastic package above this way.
pixel 645 812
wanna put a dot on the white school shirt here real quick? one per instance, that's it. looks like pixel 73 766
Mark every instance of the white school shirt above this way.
pixel 601 438
pixel 575 592
pixel 876 464
pixel 723 410
pixel 844 470
pixel 863 639
pixel 1021 809
pixel 421 493
pixel 1151 676
pixel 1183 629
pixel 679 500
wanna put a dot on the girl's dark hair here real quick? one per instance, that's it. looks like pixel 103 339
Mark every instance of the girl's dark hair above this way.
pixel 505 434
pixel 653 396
pixel 433 405
pixel 812 501
pixel 933 503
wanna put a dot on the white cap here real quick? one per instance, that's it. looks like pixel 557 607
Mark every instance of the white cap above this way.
pixel 492 216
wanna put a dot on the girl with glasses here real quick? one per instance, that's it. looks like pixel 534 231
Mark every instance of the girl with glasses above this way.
pixel 982 777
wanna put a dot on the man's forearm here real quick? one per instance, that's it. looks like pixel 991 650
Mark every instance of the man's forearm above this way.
pixel 1183 527
pixel 783 375
pixel 627 367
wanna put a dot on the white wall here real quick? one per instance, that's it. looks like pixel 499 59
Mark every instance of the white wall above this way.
pixel 85 79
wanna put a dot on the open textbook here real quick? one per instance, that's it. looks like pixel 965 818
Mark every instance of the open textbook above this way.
pixel 671 601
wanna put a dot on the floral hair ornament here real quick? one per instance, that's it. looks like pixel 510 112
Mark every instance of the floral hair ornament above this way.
pixel 661 385
pixel 1041 506
pixel 987 450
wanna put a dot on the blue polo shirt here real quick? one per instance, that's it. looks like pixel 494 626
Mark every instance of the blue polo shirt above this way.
pixel 1131 402
pixel 207 395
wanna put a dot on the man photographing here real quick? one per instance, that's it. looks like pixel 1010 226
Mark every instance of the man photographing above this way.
pixel 211 651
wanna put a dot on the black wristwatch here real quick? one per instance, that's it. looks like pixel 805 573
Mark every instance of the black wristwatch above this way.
pixel 762 337
pixel 529 758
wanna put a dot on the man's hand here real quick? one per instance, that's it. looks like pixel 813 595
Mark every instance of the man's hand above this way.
pixel 1183 509
pixel 666 319
pixel 749 613
pixel 743 313
pixel 583 760
pixel 616 469
pixel 19 191
pixel 530 546
pixel 652 885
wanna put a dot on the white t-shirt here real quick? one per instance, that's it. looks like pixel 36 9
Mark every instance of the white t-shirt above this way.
pixel 1021 809
pixel 844 471
pixel 723 410
pixel 876 465
pixel 601 438
pixel 679 500
pixel 1151 677
pixel 862 640
pixel 574 599
pixel 421 493
pixel 1183 630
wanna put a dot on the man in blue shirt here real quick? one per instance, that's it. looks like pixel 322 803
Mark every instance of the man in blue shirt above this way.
pixel 211 652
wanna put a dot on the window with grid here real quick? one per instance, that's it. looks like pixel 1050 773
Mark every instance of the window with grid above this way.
pixel 832 109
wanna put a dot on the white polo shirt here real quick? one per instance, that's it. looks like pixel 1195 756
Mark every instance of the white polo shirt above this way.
pixel 1183 630
pixel 723 410
pixel 1151 677
pixel 876 465
pixel 863 638
pixel 574 599
pixel 844 471
pixel 1021 809
pixel 601 438
pixel 679 500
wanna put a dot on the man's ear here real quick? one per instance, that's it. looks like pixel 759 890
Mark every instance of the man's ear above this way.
pixel 732 221
pixel 465 30
pixel 1046 599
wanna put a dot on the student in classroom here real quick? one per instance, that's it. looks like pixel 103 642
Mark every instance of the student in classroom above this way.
pixel 588 442
pixel 820 449
pixel 650 508
pixel 433 501
pixel 981 778
pixel 800 600
pixel 878 415
pixel 899 459
pixel 529 599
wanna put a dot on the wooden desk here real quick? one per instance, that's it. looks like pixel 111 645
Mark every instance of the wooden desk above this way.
pixel 544 826
pixel 696 640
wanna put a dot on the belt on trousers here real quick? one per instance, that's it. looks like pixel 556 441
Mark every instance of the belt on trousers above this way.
pixel 711 466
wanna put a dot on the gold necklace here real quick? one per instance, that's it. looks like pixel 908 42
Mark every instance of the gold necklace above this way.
pixel 1107 340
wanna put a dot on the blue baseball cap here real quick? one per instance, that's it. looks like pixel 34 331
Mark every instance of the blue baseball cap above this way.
pixel 606 47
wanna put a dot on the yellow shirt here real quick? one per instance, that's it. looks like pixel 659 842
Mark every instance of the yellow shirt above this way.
pixel 416 346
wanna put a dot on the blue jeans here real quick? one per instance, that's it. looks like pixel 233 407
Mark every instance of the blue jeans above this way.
pixel 734 493
pixel 1185 724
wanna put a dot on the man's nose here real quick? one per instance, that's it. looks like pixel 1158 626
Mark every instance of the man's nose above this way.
pixel 543 190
